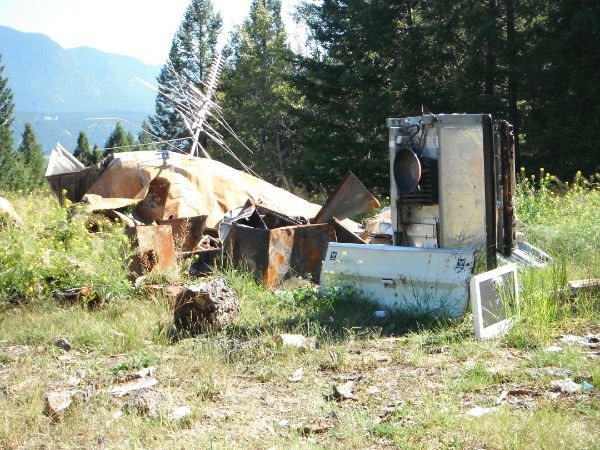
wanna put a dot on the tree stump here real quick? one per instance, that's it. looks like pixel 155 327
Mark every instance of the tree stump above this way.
pixel 210 305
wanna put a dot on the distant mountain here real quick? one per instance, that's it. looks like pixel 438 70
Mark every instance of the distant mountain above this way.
pixel 57 89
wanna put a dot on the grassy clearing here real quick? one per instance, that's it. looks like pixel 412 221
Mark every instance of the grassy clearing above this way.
pixel 416 383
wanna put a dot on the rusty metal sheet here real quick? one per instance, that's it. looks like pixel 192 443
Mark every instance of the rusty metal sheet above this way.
pixel 185 186
pixel 348 199
pixel 187 232
pixel 275 256
pixel 345 235
pixel 156 249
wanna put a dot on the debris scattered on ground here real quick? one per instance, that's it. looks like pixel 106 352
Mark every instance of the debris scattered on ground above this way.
pixel 480 411
pixel 566 386
pixel 298 340
pixel 297 375
pixel 320 425
pixel 142 379
pixel 538 372
pixel 63 344
pixel 345 391
pixel 553 349
pixel 180 413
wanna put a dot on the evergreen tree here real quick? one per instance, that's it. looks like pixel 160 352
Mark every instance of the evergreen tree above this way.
pixel 258 93
pixel 117 142
pixel 145 139
pixel 31 160
pixel 352 81
pixel 192 52
pixel 562 93
pixel 7 154
pixel 83 152
pixel 97 154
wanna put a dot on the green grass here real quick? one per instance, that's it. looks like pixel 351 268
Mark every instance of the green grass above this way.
pixel 418 377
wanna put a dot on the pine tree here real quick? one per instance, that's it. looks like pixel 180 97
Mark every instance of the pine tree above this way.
pixel 7 154
pixel 145 139
pixel 562 91
pixel 192 52
pixel 117 142
pixel 31 160
pixel 83 152
pixel 97 154
pixel 258 93
pixel 351 82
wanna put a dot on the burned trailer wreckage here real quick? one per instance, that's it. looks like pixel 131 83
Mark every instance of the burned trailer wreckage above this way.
pixel 175 204
pixel 451 216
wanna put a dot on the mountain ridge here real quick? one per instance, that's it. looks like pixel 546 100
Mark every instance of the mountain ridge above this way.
pixel 69 86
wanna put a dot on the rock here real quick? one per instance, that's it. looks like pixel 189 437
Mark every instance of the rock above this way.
pixel 57 404
pixel 145 402
pixel 566 386
pixel 320 425
pixel 207 306
pixel 63 344
pixel 345 391
pixel 180 413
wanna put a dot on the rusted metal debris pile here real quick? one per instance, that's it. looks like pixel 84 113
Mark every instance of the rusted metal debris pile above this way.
pixel 175 205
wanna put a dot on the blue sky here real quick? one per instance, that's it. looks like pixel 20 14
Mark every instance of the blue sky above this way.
pixel 143 29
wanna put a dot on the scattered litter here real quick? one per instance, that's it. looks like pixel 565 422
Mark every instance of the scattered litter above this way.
pixel 299 341
pixel 566 386
pixel 140 380
pixel 553 349
pixel 297 375
pixel 479 411
pixel 346 377
pixel 76 378
pixel 373 390
pixel 63 344
pixel 180 413
pixel 586 386
pixel 502 398
pixel 590 340
pixel 346 390
pixel 217 414
pixel 381 314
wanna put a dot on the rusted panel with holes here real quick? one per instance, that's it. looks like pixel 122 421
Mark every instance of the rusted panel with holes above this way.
pixel 156 249
pixel 187 232
pixel 275 256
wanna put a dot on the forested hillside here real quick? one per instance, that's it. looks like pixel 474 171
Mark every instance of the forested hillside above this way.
pixel 310 117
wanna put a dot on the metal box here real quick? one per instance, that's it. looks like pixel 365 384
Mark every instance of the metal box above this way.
pixel 452 183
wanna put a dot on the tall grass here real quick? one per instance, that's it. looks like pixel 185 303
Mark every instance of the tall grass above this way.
pixel 563 219
pixel 55 250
